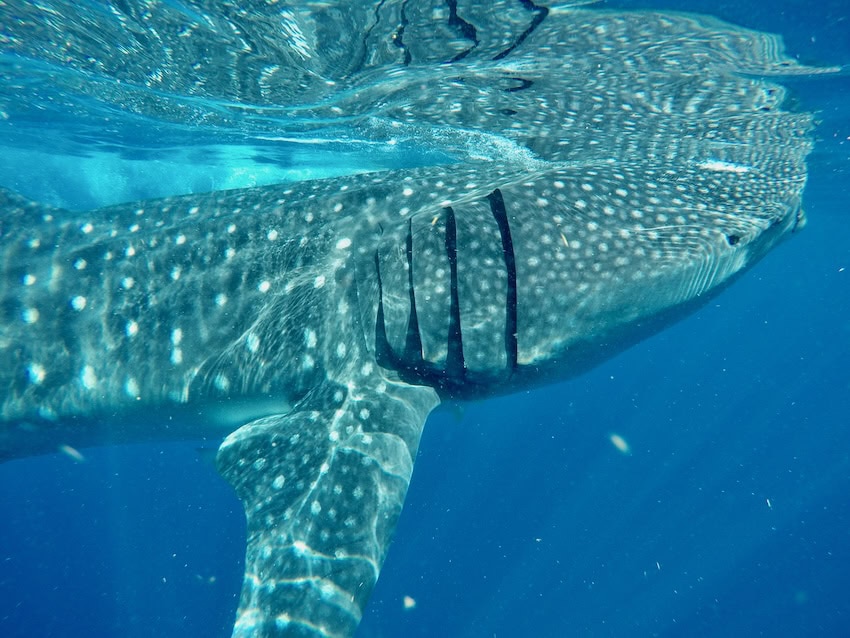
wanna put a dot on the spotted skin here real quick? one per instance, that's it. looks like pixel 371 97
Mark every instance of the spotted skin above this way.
pixel 617 171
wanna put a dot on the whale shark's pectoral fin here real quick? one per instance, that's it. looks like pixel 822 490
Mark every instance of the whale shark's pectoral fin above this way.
pixel 322 487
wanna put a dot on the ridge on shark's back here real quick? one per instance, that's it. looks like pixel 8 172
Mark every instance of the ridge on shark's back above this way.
pixel 315 325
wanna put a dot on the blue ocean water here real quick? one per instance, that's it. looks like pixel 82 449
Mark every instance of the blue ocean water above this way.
pixel 729 517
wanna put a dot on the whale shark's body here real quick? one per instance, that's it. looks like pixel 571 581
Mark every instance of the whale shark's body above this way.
pixel 628 166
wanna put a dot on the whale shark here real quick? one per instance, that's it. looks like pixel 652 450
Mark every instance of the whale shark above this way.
pixel 610 173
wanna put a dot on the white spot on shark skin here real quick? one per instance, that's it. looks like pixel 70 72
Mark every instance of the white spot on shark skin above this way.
pixel 272 235
pixel 315 508
pixel 131 388
pixel 30 315
pixel 80 264
pixel 180 239
pixel 231 229
pixel 176 272
pixel 278 482
pixel 127 283
pixel 29 280
pixel 310 337
pixel 720 166
pixel 176 336
pixel 88 378
pixel 221 382
pixel 341 349
pixel 220 299
pixel 78 303
pixel 177 356
pixel 36 373
pixel 130 252
pixel 264 286
pixel 87 228
pixel 319 282
pixel 252 342
pixel 308 362
pixel 343 243
pixel 132 328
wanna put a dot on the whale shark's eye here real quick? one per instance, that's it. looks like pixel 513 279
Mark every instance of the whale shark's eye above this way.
pixel 733 239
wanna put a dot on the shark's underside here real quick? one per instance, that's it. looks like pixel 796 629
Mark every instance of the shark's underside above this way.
pixel 614 171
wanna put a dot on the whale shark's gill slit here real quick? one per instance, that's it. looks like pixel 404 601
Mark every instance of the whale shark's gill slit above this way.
pixel 413 343
pixel 540 14
pixel 455 364
pixel 384 354
pixel 500 214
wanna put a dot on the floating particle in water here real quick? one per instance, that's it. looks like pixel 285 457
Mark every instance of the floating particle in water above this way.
pixel 72 453
pixel 620 443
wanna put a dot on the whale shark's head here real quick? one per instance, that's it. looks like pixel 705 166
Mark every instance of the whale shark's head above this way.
pixel 548 272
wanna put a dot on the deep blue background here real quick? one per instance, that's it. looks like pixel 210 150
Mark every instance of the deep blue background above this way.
pixel 730 517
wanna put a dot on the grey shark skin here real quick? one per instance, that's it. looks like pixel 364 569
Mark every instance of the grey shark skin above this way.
pixel 627 168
